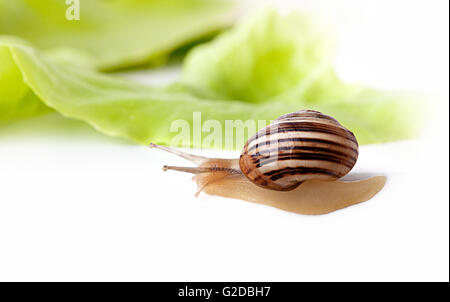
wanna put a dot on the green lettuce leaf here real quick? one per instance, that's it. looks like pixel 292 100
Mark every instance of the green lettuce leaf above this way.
pixel 33 82
pixel 261 58
pixel 36 83
pixel 115 34
pixel 289 59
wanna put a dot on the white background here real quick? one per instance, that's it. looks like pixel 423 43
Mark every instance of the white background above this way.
pixel 78 206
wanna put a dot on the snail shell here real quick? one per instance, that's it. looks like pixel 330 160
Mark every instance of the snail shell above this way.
pixel 296 147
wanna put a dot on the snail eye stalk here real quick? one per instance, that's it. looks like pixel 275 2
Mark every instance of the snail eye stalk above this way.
pixel 198 160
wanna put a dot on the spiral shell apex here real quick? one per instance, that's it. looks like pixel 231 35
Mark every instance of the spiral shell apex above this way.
pixel 296 147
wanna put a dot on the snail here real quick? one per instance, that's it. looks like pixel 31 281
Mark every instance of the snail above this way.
pixel 292 164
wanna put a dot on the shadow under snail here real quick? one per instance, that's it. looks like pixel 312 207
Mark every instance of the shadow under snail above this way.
pixel 292 164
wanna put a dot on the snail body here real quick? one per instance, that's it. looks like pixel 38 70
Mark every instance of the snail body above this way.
pixel 293 164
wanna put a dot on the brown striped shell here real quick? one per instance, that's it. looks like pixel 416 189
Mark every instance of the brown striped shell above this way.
pixel 298 146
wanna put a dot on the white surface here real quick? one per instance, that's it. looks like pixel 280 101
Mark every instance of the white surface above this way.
pixel 76 205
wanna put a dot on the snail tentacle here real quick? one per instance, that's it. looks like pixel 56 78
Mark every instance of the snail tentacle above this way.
pixel 208 171
pixel 196 159
pixel 193 170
